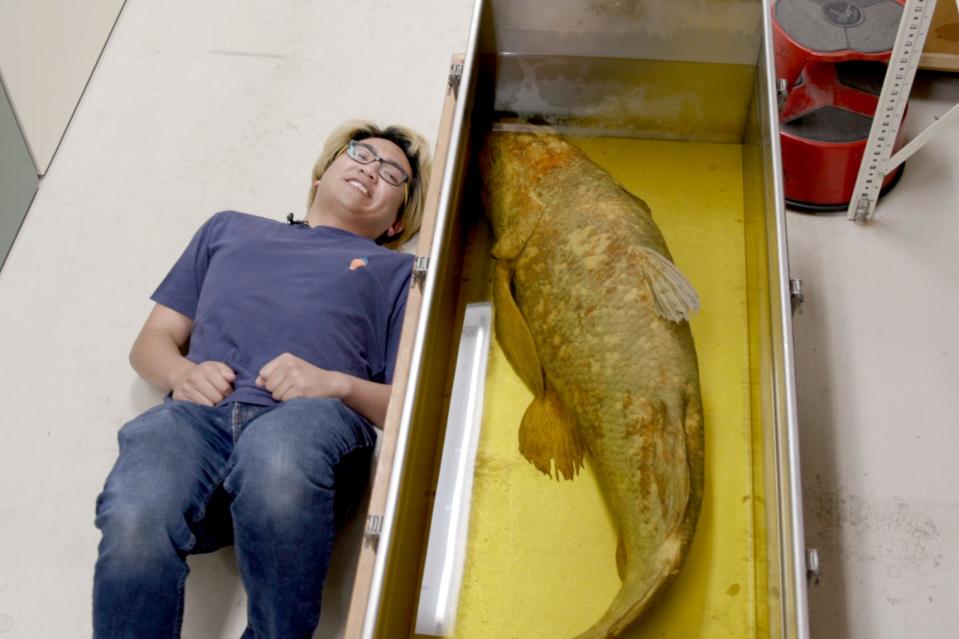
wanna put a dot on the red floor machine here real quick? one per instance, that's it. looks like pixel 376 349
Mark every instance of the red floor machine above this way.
pixel 832 58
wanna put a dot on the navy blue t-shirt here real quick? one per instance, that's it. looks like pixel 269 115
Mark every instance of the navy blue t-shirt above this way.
pixel 256 288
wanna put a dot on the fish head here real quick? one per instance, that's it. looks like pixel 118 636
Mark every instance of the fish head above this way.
pixel 515 168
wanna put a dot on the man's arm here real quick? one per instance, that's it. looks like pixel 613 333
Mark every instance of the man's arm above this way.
pixel 287 376
pixel 157 355
pixel 367 398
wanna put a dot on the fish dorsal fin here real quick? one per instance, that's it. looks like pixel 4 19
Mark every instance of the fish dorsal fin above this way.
pixel 673 297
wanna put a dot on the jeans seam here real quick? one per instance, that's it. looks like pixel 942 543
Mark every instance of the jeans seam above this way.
pixel 181 595
pixel 205 501
pixel 234 428
pixel 220 478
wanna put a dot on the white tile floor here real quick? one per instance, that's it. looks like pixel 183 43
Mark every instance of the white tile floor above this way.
pixel 201 106
pixel 877 359
pixel 195 107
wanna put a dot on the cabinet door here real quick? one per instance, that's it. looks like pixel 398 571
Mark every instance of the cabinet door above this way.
pixel 18 177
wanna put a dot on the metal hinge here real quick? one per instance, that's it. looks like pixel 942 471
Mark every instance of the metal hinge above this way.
pixel 795 293
pixel 812 566
pixel 421 266
pixel 374 526
pixel 453 83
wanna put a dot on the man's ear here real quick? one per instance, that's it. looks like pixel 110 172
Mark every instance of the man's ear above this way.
pixel 395 229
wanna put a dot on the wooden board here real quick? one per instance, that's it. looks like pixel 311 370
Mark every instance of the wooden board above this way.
pixel 359 600
pixel 941 52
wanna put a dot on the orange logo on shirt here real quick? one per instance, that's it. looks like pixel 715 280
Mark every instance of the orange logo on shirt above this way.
pixel 359 262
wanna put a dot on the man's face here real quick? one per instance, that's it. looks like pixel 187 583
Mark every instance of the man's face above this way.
pixel 358 189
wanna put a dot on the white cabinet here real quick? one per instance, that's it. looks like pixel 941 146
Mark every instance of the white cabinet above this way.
pixel 18 179
pixel 48 49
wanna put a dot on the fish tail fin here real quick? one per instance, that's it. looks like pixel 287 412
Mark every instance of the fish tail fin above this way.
pixel 639 594
pixel 642 588
pixel 548 434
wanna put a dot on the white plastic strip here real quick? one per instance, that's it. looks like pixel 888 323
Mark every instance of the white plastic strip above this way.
pixel 446 549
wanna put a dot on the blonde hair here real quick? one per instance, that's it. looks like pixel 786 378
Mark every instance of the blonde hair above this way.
pixel 416 149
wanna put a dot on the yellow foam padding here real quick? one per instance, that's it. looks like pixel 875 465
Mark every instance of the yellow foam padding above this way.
pixel 541 553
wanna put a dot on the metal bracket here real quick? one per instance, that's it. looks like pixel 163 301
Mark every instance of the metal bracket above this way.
pixel 453 83
pixel 813 574
pixel 374 526
pixel 421 266
pixel 863 207
pixel 795 293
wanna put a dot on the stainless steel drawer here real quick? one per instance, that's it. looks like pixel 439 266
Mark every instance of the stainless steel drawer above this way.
pixel 675 99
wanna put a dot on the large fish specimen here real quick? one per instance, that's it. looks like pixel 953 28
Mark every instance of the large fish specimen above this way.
pixel 592 314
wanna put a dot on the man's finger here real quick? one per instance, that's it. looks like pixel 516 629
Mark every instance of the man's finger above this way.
pixel 283 390
pixel 219 382
pixel 277 362
pixel 192 395
pixel 209 391
pixel 269 367
pixel 225 371
pixel 276 379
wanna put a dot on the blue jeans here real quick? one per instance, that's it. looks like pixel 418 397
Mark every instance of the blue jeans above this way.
pixel 191 479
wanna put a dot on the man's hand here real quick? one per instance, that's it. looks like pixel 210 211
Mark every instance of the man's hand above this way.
pixel 287 376
pixel 206 383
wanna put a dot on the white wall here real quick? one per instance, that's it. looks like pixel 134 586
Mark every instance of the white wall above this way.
pixel 48 49
pixel 194 107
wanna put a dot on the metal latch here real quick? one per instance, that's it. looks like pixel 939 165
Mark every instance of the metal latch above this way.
pixel 782 92
pixel 812 566
pixel 453 83
pixel 795 293
pixel 421 266
pixel 374 526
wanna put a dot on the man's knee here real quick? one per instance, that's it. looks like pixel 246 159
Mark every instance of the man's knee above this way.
pixel 274 486
pixel 139 530
pixel 310 434
pixel 286 457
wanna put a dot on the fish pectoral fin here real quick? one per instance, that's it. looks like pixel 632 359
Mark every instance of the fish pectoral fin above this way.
pixel 621 557
pixel 674 298
pixel 548 437
pixel 513 333
pixel 521 214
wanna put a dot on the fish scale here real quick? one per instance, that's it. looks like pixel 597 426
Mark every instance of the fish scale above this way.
pixel 591 313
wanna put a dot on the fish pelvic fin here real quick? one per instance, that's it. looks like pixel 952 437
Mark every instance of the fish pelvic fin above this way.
pixel 673 297
pixel 513 333
pixel 548 437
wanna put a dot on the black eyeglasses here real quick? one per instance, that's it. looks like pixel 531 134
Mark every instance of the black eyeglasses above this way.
pixel 389 170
